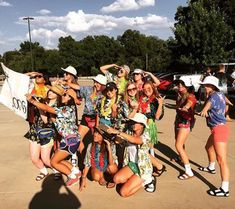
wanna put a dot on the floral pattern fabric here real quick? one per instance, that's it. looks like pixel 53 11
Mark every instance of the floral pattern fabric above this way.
pixel 143 161
pixel 104 110
pixel 66 121
pixel 90 102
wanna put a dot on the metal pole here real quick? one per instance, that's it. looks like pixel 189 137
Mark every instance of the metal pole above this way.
pixel 30 45
pixel 146 61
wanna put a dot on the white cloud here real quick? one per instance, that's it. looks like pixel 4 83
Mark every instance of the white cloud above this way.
pixel 47 38
pixel 126 5
pixel 47 29
pixel 5 4
pixel 44 12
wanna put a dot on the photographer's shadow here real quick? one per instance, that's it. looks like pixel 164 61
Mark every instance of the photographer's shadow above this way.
pixel 50 196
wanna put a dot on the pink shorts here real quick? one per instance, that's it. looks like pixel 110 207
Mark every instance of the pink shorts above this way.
pixel 220 133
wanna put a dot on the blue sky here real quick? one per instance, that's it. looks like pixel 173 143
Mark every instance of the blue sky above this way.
pixel 79 18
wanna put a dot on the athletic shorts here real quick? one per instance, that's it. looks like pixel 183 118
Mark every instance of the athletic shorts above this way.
pixel 220 133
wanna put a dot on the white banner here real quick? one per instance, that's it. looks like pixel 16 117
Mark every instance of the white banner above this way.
pixel 15 86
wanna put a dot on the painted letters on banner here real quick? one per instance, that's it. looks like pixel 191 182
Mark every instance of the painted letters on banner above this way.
pixel 15 86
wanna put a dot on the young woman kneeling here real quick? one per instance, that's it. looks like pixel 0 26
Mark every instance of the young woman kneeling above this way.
pixel 137 170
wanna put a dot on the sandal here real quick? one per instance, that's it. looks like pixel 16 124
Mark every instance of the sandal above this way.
pixel 57 176
pixel 218 192
pixel 185 176
pixel 207 169
pixel 151 187
pixel 41 176
pixel 110 185
pixel 159 172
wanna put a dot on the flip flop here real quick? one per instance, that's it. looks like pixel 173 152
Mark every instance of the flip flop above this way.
pixel 185 176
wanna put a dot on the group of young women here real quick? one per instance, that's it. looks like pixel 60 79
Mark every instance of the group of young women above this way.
pixel 121 116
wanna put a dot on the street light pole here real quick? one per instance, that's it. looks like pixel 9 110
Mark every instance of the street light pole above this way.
pixel 31 52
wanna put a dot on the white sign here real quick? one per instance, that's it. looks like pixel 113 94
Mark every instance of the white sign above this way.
pixel 15 86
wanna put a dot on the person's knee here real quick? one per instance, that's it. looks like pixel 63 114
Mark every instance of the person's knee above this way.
pixel 221 160
pixel 124 192
pixel 96 176
pixel 112 169
pixel 118 179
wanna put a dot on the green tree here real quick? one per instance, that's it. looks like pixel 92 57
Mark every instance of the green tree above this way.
pixel 202 34
pixel 69 51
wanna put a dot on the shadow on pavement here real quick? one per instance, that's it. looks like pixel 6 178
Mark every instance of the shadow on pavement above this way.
pixel 50 196
pixel 171 154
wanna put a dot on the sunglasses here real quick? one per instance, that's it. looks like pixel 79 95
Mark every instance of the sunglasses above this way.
pixel 132 89
pixel 38 76
pixel 110 89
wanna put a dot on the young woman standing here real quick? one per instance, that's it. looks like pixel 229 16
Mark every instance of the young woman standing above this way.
pixel 216 146
pixel 66 125
pixel 184 122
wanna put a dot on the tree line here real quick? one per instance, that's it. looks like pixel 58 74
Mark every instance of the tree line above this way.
pixel 204 34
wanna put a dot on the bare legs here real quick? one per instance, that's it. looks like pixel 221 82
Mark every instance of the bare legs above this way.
pixel 218 150
pixel 131 182
pixel 181 136
pixel 60 164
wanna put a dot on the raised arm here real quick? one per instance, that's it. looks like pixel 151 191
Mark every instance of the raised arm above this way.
pixel 105 68
pixel 155 79
pixel 40 105
pixel 128 137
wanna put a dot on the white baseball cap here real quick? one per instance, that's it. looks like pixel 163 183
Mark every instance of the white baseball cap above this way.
pixel 70 69
pixel 100 79
pixel 211 80
pixel 140 118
